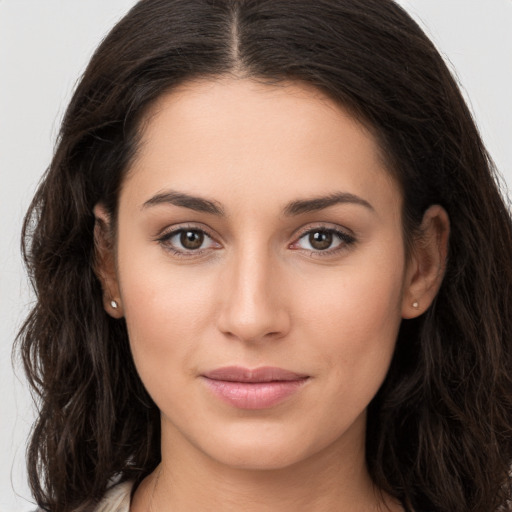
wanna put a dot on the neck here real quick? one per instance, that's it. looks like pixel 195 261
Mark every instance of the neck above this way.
pixel 332 479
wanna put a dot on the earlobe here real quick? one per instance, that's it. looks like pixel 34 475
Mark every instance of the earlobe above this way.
pixel 104 264
pixel 426 268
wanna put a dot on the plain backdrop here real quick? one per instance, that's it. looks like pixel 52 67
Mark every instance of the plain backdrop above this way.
pixel 44 47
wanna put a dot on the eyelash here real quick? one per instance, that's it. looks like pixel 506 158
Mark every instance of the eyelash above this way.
pixel 164 241
pixel 345 239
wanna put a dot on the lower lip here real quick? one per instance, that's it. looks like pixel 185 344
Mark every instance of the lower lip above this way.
pixel 254 395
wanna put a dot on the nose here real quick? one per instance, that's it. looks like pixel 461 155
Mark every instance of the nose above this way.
pixel 253 302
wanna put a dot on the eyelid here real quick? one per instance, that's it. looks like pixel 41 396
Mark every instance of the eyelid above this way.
pixel 164 236
pixel 335 228
pixel 169 230
pixel 345 235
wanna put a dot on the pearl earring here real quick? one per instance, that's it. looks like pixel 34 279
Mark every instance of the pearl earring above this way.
pixel 114 304
pixel 415 304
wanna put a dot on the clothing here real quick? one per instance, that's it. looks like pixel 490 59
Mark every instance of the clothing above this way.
pixel 117 499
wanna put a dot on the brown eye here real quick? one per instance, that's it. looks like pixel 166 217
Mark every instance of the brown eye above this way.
pixel 320 240
pixel 324 241
pixel 188 242
pixel 191 240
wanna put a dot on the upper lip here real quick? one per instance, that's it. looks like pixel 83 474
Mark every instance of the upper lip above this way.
pixel 262 374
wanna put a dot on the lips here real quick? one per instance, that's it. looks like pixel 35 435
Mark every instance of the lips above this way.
pixel 263 374
pixel 258 388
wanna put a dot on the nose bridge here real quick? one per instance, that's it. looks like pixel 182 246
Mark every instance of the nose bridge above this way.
pixel 252 308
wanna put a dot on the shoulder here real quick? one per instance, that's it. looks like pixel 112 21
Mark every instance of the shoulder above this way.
pixel 117 499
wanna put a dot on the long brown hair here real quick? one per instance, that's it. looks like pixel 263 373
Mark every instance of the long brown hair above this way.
pixel 440 429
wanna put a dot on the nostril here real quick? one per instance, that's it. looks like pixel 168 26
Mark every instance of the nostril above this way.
pixel 265 325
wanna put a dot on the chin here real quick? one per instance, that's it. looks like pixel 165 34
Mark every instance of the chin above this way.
pixel 263 447
pixel 258 457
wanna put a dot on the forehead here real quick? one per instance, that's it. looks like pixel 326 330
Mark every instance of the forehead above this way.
pixel 256 141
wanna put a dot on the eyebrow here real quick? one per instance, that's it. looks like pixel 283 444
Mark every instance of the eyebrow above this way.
pixel 302 206
pixel 198 204
pixel 298 207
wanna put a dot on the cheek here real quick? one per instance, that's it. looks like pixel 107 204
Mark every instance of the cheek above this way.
pixel 166 308
pixel 344 320
pixel 354 316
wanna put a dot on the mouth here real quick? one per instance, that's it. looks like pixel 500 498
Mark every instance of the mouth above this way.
pixel 259 388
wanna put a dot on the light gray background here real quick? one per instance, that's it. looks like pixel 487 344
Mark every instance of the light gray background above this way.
pixel 44 46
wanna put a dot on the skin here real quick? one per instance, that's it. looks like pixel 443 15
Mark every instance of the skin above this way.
pixel 259 293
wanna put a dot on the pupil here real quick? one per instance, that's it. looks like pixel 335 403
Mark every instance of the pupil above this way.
pixel 320 240
pixel 191 239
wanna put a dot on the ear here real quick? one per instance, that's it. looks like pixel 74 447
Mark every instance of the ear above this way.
pixel 427 263
pixel 105 263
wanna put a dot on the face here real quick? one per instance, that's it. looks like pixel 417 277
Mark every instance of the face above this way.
pixel 260 268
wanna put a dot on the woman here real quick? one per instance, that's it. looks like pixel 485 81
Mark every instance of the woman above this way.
pixel 272 267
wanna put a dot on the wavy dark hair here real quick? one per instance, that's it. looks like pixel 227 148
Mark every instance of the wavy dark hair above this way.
pixel 440 428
